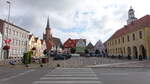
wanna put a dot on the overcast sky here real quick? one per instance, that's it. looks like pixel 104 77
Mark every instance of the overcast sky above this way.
pixel 89 19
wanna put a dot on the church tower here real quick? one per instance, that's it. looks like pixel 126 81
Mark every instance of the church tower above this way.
pixel 131 16
pixel 48 36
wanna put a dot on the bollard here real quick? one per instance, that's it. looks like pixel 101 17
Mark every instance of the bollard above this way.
pixel 41 65
pixel 58 65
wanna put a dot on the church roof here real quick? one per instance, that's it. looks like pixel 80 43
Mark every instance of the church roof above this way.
pixel 48 26
pixel 135 25
pixel 57 41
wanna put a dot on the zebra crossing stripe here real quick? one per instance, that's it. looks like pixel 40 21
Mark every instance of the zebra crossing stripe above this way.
pixel 67 82
pixel 74 72
pixel 70 78
pixel 89 75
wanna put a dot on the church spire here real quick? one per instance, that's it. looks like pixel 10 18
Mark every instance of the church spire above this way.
pixel 131 16
pixel 48 26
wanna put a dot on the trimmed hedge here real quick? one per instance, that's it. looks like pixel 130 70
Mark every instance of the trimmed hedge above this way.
pixel 27 57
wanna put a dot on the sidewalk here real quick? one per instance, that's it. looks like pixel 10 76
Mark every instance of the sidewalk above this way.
pixel 135 64
pixel 22 66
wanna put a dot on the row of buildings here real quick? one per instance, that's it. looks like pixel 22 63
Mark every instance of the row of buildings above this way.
pixel 55 44
pixel 14 41
pixel 132 39
pixel 80 46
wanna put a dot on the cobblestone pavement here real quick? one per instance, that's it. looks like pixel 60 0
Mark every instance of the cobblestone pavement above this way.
pixel 140 64
pixel 87 61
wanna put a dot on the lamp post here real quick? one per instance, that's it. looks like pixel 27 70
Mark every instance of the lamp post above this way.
pixel 7 41
pixel 9 4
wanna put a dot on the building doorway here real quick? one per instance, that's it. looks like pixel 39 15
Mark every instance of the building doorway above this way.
pixel 129 51
pixel 143 52
pixel 135 53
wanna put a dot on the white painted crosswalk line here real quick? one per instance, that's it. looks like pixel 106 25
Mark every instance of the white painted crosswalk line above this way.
pixel 67 82
pixel 89 75
pixel 70 76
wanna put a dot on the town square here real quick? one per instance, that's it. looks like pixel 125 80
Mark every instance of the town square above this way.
pixel 74 42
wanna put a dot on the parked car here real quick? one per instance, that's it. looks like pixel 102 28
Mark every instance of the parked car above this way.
pixel 67 56
pixel 98 55
pixel 92 54
pixel 87 55
pixel 59 57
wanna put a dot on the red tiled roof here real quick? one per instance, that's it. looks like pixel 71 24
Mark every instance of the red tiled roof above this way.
pixel 138 24
pixel 70 43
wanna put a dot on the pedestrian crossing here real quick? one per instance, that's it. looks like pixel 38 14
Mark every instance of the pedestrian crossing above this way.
pixel 69 76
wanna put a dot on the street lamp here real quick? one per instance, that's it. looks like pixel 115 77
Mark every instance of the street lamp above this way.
pixel 7 41
pixel 9 4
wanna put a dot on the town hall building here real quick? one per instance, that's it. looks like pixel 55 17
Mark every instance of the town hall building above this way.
pixel 131 40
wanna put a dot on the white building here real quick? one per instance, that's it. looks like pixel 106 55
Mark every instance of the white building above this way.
pixel 18 37
pixel 80 45
pixel 99 46
pixel 36 45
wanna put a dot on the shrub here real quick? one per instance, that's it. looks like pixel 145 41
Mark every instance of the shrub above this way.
pixel 27 57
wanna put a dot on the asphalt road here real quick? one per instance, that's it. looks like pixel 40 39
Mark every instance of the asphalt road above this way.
pixel 21 76
pixel 76 76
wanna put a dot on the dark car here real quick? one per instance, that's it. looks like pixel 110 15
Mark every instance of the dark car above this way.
pixel 67 56
pixel 59 57
pixel 62 57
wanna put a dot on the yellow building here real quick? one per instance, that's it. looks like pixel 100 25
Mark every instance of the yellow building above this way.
pixel 131 40
pixel 37 46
